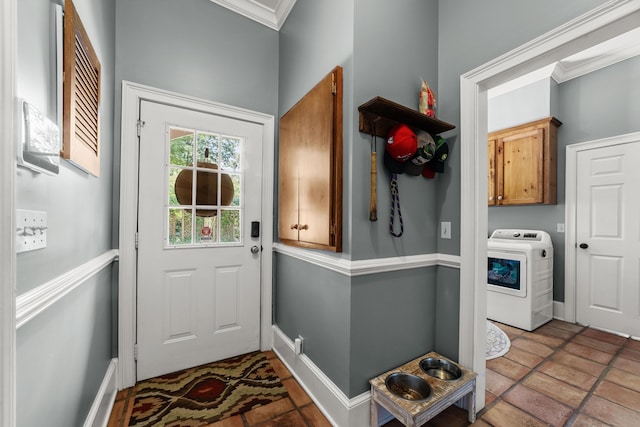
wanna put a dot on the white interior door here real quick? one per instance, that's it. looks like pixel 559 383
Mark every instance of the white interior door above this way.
pixel 608 238
pixel 198 284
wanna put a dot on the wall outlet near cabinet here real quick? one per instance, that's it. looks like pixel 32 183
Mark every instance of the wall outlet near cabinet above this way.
pixel 560 227
pixel 445 230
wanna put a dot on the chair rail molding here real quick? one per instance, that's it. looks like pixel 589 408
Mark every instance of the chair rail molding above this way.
pixel 35 301
pixel 367 266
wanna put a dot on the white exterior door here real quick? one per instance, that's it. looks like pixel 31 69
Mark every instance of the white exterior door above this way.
pixel 608 238
pixel 198 284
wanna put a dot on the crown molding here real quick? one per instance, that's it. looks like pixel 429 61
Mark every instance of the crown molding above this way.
pixel 570 68
pixel 593 59
pixel 261 10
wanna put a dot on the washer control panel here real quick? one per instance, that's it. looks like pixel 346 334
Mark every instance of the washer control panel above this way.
pixel 529 235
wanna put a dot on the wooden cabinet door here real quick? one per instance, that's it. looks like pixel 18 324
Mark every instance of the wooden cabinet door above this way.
pixel 491 182
pixel 288 181
pixel 310 178
pixel 520 176
pixel 522 164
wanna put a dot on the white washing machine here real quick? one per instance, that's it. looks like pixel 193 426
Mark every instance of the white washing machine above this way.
pixel 520 278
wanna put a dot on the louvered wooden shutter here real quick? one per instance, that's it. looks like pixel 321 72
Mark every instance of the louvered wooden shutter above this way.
pixel 81 118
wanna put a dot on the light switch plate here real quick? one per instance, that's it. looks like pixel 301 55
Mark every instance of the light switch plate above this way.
pixel 31 230
pixel 445 230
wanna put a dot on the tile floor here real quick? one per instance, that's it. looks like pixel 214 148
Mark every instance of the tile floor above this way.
pixel 559 375
pixel 297 410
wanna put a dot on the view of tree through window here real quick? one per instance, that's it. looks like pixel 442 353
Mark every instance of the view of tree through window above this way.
pixel 214 217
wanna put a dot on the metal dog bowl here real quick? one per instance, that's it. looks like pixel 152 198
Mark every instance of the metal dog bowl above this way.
pixel 408 386
pixel 440 368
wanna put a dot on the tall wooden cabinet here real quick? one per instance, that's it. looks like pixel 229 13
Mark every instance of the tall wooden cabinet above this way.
pixel 310 173
pixel 522 164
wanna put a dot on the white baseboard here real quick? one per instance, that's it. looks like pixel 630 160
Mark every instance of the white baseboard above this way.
pixel 332 402
pixel 103 403
pixel 558 310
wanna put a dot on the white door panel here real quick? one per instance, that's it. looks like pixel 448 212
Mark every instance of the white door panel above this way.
pixel 608 238
pixel 198 280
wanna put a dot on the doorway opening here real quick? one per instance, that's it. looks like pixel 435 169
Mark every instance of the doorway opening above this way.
pixel 596 26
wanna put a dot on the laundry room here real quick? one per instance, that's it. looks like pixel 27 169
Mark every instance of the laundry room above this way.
pixel 536 119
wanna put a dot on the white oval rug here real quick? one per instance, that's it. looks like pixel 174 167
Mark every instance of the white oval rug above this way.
pixel 498 342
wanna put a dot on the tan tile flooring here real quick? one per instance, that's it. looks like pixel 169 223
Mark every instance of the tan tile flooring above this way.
pixel 559 375
pixel 297 410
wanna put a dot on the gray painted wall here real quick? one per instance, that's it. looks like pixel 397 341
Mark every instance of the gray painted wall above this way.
pixel 63 354
pixel 471 34
pixel 522 105
pixel 447 312
pixel 316 304
pixel 378 60
pixel 389 61
pixel 196 48
pixel 393 318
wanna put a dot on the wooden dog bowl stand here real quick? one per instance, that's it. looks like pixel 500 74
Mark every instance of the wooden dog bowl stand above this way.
pixel 416 413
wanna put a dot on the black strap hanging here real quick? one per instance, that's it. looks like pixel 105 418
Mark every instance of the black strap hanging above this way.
pixel 395 201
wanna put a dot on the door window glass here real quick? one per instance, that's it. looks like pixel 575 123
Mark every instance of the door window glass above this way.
pixel 204 199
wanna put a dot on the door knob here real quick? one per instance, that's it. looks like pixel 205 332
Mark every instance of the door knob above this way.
pixel 499 197
pixel 583 246
pixel 255 249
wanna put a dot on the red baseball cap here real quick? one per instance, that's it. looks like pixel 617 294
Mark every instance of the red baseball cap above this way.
pixel 402 143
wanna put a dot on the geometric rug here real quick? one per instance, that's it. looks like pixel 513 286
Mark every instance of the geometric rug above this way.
pixel 199 396
pixel 498 342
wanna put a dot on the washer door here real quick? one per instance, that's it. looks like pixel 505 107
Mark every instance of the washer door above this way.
pixel 507 273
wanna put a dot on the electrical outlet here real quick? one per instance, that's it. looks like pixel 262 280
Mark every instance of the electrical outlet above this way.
pixel 445 230
pixel 560 227
pixel 298 344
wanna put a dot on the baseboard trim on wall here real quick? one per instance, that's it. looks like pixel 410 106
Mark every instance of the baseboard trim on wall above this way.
pixel 558 310
pixel 35 301
pixel 368 266
pixel 332 402
pixel 103 403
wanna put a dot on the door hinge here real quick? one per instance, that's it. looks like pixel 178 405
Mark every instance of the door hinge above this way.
pixel 332 229
pixel 135 352
pixel 139 126
pixel 334 88
pixel 136 239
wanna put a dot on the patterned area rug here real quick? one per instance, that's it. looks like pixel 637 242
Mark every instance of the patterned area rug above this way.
pixel 498 342
pixel 208 393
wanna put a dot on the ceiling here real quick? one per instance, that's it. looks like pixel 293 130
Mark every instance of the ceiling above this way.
pixel 271 13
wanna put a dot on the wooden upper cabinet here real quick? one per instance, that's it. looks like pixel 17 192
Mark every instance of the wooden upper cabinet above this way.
pixel 310 168
pixel 522 164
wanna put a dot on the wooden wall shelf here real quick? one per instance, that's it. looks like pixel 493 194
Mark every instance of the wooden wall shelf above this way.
pixel 379 115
